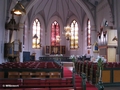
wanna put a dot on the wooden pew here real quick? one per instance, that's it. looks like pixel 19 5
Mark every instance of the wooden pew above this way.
pixel 37 82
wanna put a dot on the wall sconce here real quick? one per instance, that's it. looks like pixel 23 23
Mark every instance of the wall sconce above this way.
pixel 39 44
pixel 67 32
pixel 18 9
pixel 115 39
pixel 35 36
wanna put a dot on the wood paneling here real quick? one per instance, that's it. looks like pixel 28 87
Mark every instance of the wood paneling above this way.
pixel 116 76
pixel 106 76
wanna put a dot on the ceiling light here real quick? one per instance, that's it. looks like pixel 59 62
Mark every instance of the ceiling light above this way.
pixel 18 9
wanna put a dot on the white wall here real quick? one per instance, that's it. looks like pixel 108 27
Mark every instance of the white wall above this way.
pixel 103 12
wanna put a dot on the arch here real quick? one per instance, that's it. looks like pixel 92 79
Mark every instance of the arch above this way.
pixel 86 9
pixel 80 2
pixel 48 30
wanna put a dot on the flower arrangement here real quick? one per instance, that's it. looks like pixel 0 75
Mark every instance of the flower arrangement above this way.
pixel 100 63
pixel 99 59
pixel 73 58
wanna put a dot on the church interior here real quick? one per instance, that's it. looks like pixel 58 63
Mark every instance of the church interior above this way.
pixel 59 45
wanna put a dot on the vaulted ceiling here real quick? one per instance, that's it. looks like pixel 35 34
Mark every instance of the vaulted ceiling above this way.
pixel 61 8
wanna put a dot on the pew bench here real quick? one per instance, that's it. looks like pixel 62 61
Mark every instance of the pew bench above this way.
pixel 38 83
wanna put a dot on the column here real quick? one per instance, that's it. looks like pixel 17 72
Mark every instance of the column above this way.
pixel 117 25
pixel 93 40
pixel 20 37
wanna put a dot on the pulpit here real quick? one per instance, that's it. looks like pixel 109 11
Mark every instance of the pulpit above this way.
pixel 12 50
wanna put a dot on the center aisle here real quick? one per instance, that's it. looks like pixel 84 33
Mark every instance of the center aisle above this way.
pixel 68 73
pixel 78 80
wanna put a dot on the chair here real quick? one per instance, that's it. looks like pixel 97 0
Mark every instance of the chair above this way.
pixel 55 75
pixel 13 74
pixel 41 74
pixel 25 75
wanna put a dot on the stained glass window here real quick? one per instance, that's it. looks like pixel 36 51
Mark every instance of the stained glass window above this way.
pixel 88 34
pixel 55 34
pixel 36 34
pixel 74 35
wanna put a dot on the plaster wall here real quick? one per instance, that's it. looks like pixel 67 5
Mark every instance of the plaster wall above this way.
pixel 103 12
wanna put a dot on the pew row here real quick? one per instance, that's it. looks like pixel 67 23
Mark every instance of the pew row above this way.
pixel 29 69
pixel 110 72
pixel 110 77
pixel 37 83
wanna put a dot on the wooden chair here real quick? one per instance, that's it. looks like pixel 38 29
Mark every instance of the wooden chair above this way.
pixel 41 74
pixel 55 75
pixel 25 75
pixel 13 74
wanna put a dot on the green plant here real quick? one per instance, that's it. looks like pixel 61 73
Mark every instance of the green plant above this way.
pixel 100 67
pixel 100 63
pixel 73 59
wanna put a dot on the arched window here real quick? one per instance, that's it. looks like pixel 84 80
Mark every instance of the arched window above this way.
pixel 88 34
pixel 74 35
pixel 36 34
pixel 55 34
pixel 24 34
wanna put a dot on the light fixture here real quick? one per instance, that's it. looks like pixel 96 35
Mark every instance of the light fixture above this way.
pixel 12 25
pixel 115 39
pixel 68 28
pixel 39 44
pixel 57 39
pixel 67 32
pixel 18 9
pixel 35 36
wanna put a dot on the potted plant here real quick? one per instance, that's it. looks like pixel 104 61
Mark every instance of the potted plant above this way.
pixel 100 67
pixel 100 62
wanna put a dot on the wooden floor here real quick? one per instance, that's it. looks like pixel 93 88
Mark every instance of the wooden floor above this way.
pixel 69 65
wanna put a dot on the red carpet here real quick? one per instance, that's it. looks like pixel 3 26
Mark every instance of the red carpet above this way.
pixel 78 80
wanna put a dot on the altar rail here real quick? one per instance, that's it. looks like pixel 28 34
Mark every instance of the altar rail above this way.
pixel 54 58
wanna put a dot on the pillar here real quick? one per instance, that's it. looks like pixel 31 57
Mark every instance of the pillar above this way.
pixel 20 37
pixel 117 25
pixel 93 40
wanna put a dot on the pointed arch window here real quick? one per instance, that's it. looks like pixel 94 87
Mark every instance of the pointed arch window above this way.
pixel 36 34
pixel 24 34
pixel 88 34
pixel 55 34
pixel 74 35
